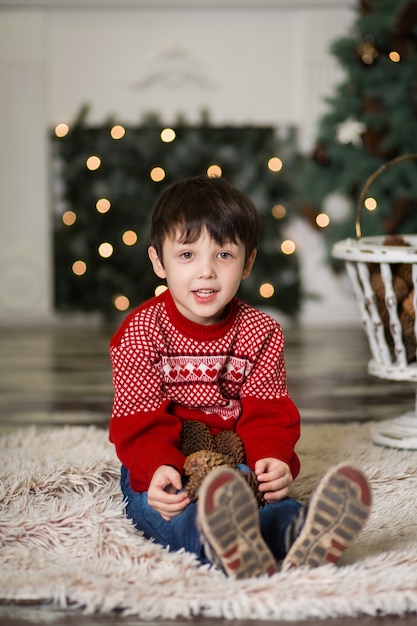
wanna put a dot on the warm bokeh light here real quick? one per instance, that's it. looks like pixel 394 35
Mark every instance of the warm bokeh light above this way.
pixel 157 174
pixel 214 171
pixel 322 220
pixel 79 268
pixel 370 204
pixel 394 56
pixel 103 205
pixel 160 289
pixel 61 130
pixel 129 237
pixel 278 211
pixel 121 303
pixel 93 162
pixel 105 249
pixel 288 246
pixel 168 135
pixel 69 218
pixel 275 164
pixel 117 132
pixel 266 290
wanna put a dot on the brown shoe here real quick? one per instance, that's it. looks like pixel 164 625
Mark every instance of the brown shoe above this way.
pixel 335 515
pixel 228 518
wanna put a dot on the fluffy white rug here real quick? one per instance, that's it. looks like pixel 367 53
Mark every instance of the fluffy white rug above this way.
pixel 64 539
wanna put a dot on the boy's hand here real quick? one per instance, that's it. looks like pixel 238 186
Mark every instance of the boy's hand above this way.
pixel 163 493
pixel 274 478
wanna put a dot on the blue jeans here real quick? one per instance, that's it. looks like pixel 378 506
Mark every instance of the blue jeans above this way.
pixel 182 532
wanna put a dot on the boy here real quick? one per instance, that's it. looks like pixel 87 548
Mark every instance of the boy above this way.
pixel 196 352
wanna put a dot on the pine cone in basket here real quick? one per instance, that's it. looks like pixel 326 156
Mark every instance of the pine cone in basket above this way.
pixel 395 240
pixel 402 285
pixel 409 336
pixel 405 272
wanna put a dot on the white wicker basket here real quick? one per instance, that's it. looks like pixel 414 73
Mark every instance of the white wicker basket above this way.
pixel 386 338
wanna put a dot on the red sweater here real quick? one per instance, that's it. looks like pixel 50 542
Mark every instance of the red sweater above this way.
pixel 230 375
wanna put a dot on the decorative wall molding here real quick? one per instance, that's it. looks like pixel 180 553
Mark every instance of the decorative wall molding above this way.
pixel 216 5
pixel 174 68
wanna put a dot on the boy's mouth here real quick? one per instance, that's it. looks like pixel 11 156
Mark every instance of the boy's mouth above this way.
pixel 204 293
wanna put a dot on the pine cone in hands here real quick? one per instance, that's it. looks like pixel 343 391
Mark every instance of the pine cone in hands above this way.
pixel 195 436
pixel 198 465
pixel 229 443
pixel 252 481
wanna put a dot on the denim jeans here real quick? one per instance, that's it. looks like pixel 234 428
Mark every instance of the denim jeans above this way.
pixel 182 532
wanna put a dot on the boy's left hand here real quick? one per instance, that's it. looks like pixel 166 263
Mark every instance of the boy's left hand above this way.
pixel 274 477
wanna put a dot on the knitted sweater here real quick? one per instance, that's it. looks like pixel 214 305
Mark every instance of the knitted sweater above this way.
pixel 230 375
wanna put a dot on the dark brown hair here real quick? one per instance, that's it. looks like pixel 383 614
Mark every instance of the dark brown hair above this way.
pixel 192 204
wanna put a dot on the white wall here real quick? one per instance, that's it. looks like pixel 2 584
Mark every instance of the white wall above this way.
pixel 245 61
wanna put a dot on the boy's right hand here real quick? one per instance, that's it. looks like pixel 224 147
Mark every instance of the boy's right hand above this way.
pixel 163 493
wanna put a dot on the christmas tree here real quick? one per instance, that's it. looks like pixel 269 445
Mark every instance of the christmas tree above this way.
pixel 371 118
pixel 107 180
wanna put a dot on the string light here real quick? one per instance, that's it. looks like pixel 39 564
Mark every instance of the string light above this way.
pixel 129 237
pixel 105 250
pixel 322 220
pixel 79 268
pixel 61 130
pixel 117 132
pixel 121 303
pixel 288 246
pixel 266 290
pixel 103 205
pixel 69 218
pixel 278 211
pixel 394 56
pixel 370 204
pixel 160 289
pixel 168 135
pixel 157 174
pixel 275 164
pixel 214 171
pixel 93 162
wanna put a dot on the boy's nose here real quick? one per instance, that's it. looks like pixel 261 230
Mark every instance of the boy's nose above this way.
pixel 206 270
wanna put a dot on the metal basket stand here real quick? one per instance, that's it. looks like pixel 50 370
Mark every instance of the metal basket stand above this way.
pixel 387 363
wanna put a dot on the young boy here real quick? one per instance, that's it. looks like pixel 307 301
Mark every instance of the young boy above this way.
pixel 196 352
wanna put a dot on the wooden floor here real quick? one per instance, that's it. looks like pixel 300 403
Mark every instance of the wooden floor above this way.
pixel 61 375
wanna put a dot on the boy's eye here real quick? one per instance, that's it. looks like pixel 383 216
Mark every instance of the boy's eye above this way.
pixel 225 255
pixel 186 255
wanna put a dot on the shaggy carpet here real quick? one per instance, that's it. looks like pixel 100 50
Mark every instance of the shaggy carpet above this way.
pixel 64 539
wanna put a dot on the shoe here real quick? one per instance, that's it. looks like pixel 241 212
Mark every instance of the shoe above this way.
pixel 334 516
pixel 228 518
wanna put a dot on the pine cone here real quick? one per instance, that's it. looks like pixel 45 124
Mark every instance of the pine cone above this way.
pixel 400 269
pixel 401 288
pixel 408 306
pixel 252 481
pixel 409 336
pixel 395 240
pixel 198 465
pixel 378 287
pixel 404 271
pixel 195 436
pixel 230 444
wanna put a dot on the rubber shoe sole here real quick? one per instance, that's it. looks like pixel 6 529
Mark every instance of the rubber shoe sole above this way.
pixel 228 517
pixel 337 512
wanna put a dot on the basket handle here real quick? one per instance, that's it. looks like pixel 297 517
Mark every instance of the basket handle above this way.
pixel 368 183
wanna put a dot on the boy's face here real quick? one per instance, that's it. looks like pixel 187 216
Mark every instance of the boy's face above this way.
pixel 202 276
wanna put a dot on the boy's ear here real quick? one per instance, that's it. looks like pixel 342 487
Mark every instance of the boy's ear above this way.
pixel 249 264
pixel 158 268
